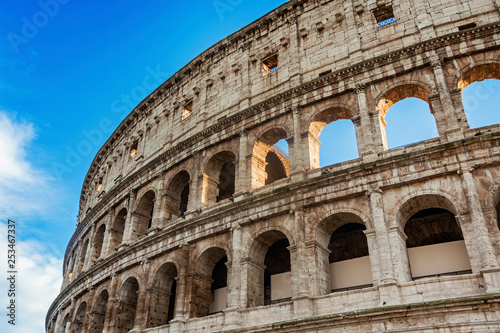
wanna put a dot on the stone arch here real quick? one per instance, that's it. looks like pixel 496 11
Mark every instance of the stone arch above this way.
pixel 178 195
pixel 117 229
pixel 98 314
pixel 83 256
pixel 210 281
pixel 219 177
pixel 317 220
pixel 395 94
pixel 64 324
pixel 143 215
pixel 269 268
pixel 269 163
pixel 412 204
pixel 317 123
pixel 478 72
pixel 473 74
pixel 343 254
pixel 162 293
pixel 126 306
pixel 99 241
pixel 78 320
pixel 435 243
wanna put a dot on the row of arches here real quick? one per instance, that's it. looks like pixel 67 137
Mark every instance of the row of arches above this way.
pixel 345 258
pixel 411 111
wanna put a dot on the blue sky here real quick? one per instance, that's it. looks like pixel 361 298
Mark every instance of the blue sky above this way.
pixel 68 70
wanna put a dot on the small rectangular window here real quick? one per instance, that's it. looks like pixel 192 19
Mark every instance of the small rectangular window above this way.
pixel 99 186
pixel 467 26
pixel 270 65
pixel 187 110
pixel 384 15
pixel 133 149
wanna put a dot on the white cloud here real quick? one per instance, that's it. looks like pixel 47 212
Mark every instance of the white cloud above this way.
pixel 24 191
pixel 38 283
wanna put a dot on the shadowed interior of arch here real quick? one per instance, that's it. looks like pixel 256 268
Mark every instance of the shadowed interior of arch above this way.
pixel 162 296
pixel 126 306
pixel 435 244
pixel 210 283
pixel 98 314
pixel 270 158
pixel 276 273
pixel 348 259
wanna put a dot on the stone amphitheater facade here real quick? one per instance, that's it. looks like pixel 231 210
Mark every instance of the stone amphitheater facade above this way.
pixel 192 220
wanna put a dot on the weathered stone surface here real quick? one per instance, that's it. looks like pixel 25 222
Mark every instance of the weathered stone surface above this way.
pixel 175 210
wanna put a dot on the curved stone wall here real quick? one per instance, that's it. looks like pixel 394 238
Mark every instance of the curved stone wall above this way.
pixel 190 199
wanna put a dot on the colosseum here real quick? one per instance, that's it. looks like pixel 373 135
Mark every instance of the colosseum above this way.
pixel 193 220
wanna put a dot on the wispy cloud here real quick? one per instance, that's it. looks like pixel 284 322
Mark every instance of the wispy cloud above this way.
pixel 38 282
pixel 24 190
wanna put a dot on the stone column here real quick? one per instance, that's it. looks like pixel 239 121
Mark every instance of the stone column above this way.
pixel 439 115
pixel 483 242
pixel 181 302
pixel 453 131
pixel 235 282
pixel 371 239
pixel 373 138
pixel 301 288
pixel 242 181
pixel 108 236
pixel 128 233
pixel 112 304
pixel 358 129
pixel 89 255
pixel 159 203
pixel 196 180
pixel 141 312
pixel 490 269
pixel 296 148
pixel 388 289
pixel 458 106
pixel 400 261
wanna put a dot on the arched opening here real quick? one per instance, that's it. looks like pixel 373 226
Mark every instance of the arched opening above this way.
pixel 143 215
pixel 343 255
pixel 118 229
pixel 83 254
pixel 162 296
pixel 178 195
pixel 71 266
pixel 435 242
pixel 98 241
pixel 338 138
pixel 269 273
pixel 480 88
pixel 410 120
pixel 219 178
pixel 210 283
pixel 269 160
pixel 98 314
pixel 349 260
pixel 77 324
pixel 64 324
pixel 126 306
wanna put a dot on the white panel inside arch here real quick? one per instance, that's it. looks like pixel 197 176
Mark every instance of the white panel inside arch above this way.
pixel 438 259
pixel 219 302
pixel 281 286
pixel 350 273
